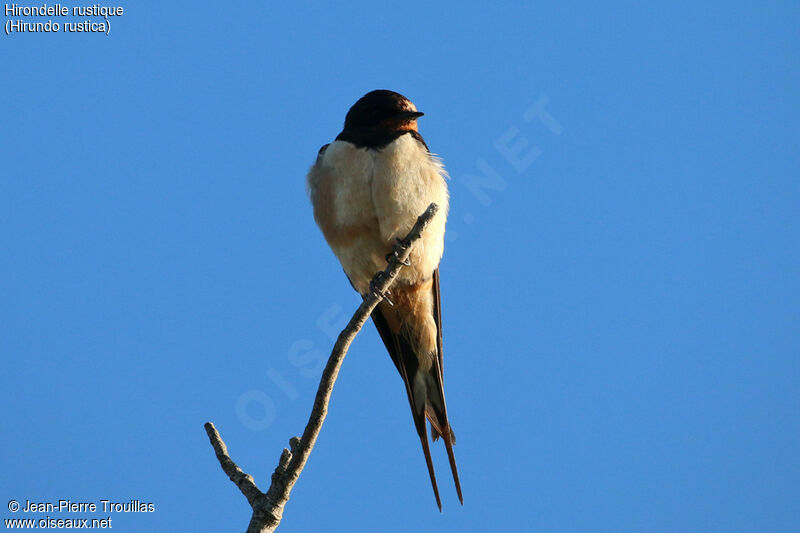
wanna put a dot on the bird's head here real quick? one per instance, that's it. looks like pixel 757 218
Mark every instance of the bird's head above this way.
pixel 380 113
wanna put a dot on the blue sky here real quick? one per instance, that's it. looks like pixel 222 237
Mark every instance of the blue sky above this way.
pixel 620 302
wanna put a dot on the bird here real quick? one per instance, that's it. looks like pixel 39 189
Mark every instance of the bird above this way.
pixel 367 189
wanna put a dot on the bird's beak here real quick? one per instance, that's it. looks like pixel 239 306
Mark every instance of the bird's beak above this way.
pixel 410 115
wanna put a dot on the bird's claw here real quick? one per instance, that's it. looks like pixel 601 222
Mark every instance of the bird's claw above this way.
pixel 374 289
pixel 401 245
pixel 396 256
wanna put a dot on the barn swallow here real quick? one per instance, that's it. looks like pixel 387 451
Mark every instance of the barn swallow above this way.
pixel 367 188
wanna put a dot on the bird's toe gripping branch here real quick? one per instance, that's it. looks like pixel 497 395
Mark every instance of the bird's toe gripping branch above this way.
pixel 394 256
pixel 400 246
pixel 374 287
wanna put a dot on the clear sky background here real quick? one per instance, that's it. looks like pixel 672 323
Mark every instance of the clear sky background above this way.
pixel 621 298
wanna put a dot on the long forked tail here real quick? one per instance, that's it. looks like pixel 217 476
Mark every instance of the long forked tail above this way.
pixel 418 407
pixel 423 437
pixel 440 427
pixel 449 445
pixel 407 365
pixel 426 398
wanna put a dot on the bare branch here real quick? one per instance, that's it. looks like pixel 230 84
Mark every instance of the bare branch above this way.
pixel 268 507
pixel 242 480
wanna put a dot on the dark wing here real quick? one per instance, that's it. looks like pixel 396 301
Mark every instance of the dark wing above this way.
pixel 437 316
pixel 446 432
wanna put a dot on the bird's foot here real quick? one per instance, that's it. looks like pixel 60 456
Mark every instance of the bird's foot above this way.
pixel 379 277
pixel 401 245
pixel 397 258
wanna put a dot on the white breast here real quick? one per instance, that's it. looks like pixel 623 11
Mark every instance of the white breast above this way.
pixel 364 199
pixel 407 179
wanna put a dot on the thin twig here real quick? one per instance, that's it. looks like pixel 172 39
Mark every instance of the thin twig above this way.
pixel 241 479
pixel 268 507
